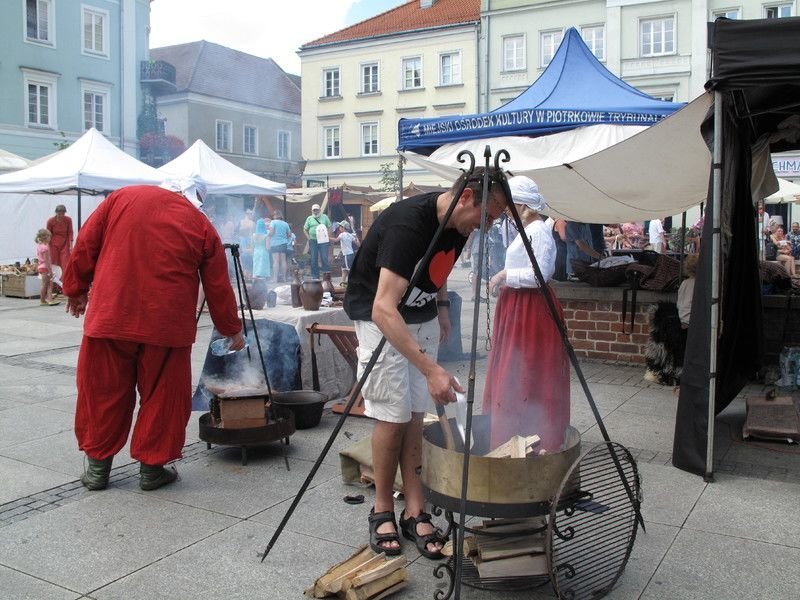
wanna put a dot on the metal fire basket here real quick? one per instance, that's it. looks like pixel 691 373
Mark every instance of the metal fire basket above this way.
pixel 574 501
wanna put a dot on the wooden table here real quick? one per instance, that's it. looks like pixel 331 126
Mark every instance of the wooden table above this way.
pixel 335 374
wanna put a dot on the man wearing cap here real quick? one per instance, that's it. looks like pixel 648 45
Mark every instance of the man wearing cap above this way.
pixel 406 377
pixel 143 253
pixel 317 229
pixel 60 228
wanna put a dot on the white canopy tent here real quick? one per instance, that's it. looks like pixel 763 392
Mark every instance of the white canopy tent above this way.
pixel 787 192
pixel 91 164
pixel 670 160
pixel 220 176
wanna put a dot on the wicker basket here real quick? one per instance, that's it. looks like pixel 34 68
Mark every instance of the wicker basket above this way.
pixel 599 276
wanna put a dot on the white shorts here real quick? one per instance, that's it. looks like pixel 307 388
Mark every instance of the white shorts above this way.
pixel 395 388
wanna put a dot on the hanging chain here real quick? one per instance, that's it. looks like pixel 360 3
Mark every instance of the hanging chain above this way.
pixel 488 294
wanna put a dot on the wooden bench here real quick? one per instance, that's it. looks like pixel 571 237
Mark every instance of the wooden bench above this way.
pixel 344 338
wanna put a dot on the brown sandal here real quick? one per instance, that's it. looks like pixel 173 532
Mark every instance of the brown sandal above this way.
pixel 409 528
pixel 376 539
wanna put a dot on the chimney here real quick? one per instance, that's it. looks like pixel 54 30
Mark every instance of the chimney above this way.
pixel 426 3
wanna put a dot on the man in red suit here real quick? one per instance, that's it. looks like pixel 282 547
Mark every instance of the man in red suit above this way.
pixel 142 253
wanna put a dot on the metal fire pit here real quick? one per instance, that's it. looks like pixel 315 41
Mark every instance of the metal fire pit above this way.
pixel 279 427
pixel 586 505
pixel 498 487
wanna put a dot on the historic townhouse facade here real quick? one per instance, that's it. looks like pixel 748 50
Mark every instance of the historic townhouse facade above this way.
pixel 67 66
pixel 658 47
pixel 245 108
pixel 416 60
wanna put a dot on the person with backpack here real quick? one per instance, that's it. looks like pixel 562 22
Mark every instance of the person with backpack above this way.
pixel 317 229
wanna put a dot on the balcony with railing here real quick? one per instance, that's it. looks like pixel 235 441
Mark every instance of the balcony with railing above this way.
pixel 158 75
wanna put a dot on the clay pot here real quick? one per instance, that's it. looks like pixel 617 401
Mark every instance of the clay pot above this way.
pixel 327 284
pixel 311 294
pixel 295 289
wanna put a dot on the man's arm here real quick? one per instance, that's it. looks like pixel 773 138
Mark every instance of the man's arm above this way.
pixel 386 316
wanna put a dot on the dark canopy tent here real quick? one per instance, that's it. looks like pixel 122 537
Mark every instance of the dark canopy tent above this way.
pixel 575 90
pixel 756 85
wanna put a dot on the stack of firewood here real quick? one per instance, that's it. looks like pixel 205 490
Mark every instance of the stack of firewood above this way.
pixel 506 548
pixel 363 576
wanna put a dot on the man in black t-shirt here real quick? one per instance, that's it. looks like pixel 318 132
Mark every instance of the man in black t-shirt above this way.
pixel 406 377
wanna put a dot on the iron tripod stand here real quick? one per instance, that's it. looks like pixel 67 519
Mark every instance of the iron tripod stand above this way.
pixel 244 298
pixel 631 489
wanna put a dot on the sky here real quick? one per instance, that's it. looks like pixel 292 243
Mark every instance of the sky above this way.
pixel 255 26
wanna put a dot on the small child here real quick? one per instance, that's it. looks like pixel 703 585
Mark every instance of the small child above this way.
pixel 45 269
pixel 349 245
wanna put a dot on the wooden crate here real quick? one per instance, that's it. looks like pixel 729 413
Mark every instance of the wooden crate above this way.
pixel 21 286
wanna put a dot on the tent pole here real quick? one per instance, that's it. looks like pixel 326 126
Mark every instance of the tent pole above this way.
pixel 683 246
pixel 715 284
pixel 400 162
pixel 79 209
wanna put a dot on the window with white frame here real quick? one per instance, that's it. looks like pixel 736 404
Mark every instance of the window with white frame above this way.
pixel 330 136
pixel 514 52
pixel 369 139
pixel 412 73
pixel 657 36
pixel 95 100
pixel 330 83
pixel 250 135
pixel 732 13
pixel 95 31
pixel 224 134
pixel 369 78
pixel 40 98
pixel 665 96
pixel 38 21
pixel 551 40
pixel 595 38
pixel 450 68
pixel 778 11
pixel 284 144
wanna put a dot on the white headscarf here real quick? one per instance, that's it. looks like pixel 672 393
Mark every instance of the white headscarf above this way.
pixel 525 191
pixel 194 190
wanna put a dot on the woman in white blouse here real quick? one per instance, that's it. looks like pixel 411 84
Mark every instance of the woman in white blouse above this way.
pixel 527 383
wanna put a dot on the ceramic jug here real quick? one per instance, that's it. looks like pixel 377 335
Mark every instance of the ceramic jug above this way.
pixel 311 294
pixel 295 289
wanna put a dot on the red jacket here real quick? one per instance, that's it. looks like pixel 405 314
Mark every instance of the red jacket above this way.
pixel 143 252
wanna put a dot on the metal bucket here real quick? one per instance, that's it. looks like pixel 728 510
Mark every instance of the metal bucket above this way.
pixel 498 487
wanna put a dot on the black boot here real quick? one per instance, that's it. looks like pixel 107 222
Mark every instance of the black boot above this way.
pixel 152 477
pixel 95 477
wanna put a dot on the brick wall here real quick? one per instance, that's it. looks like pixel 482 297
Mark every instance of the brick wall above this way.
pixel 594 321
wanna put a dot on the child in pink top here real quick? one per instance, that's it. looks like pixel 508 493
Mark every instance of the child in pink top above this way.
pixel 42 240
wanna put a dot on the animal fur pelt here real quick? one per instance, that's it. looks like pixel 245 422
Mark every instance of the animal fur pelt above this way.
pixel 664 352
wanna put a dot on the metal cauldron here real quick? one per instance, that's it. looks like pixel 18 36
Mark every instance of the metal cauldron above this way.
pixel 498 487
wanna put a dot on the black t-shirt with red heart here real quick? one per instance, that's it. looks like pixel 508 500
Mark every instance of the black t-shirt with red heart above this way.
pixel 397 240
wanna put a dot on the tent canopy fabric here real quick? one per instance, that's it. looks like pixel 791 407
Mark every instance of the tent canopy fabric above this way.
pixel 91 163
pixel 661 170
pixel 575 90
pixel 11 162
pixel 787 192
pixel 199 162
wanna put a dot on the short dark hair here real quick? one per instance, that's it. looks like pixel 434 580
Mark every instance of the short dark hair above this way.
pixel 475 182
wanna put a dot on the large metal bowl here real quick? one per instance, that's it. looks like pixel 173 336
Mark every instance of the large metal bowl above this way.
pixel 498 487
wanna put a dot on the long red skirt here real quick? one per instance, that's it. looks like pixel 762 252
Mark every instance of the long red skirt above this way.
pixel 527 378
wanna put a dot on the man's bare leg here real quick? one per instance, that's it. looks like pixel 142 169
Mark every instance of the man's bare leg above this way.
pixel 410 461
pixel 387 440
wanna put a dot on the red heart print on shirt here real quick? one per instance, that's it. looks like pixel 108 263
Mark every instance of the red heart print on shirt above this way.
pixel 440 266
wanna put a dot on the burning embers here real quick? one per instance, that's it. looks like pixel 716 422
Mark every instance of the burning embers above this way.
pixel 239 402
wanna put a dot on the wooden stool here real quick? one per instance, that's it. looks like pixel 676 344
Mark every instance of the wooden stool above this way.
pixel 344 338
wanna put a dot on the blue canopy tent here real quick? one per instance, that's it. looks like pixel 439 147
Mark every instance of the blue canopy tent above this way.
pixel 575 90
pixel 574 131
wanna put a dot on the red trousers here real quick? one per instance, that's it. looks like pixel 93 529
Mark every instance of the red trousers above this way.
pixel 109 374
